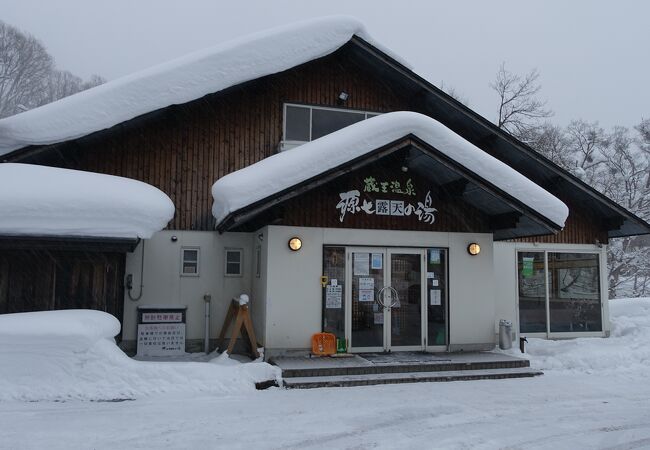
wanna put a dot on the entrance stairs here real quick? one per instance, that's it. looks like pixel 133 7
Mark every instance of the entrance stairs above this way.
pixel 304 372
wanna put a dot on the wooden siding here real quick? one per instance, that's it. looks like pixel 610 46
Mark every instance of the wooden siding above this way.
pixel 184 149
pixel 39 280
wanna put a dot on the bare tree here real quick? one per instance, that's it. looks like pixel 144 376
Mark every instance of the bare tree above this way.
pixel 519 107
pixel 453 93
pixel 24 69
pixel 28 77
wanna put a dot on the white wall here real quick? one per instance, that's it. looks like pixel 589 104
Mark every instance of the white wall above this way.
pixel 294 302
pixel 164 285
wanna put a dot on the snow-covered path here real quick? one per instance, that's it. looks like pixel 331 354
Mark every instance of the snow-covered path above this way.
pixel 559 411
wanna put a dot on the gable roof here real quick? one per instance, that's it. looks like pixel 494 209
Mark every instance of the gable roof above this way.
pixel 257 184
pixel 235 62
pixel 179 81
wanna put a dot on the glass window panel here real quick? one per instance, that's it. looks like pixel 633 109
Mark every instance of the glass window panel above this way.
pixel 532 292
pixel 297 123
pixel 333 296
pixel 233 256
pixel 189 268
pixel 233 269
pixel 437 296
pixel 406 316
pixel 191 255
pixel 574 292
pixel 367 315
pixel 326 121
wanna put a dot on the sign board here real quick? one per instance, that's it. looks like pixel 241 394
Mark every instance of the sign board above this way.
pixel 162 317
pixel 161 339
pixel 333 297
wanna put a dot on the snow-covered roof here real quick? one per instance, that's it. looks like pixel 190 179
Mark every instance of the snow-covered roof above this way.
pixel 179 81
pixel 261 180
pixel 48 201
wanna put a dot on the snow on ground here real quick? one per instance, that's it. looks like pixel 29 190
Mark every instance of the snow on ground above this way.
pixel 48 201
pixel 64 355
pixel 573 406
pixel 286 169
pixel 180 81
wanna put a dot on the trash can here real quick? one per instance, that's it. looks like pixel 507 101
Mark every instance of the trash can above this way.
pixel 505 334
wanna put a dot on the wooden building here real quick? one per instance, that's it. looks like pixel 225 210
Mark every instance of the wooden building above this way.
pixel 548 278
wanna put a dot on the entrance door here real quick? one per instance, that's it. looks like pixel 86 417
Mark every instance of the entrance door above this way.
pixel 385 299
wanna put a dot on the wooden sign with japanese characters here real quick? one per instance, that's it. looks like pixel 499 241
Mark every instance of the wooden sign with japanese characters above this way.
pixel 368 200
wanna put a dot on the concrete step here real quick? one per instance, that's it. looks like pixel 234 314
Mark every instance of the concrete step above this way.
pixel 374 369
pixel 408 377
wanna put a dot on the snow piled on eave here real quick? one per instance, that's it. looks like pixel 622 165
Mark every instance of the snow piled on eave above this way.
pixel 48 201
pixel 284 170
pixel 180 81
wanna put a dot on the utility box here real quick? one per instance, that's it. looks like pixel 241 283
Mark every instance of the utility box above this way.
pixel 505 334
pixel 161 330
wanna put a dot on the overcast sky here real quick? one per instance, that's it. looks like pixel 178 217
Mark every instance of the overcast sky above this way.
pixel 593 56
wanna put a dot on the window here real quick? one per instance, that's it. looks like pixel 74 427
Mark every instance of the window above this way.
pixel 234 264
pixel 306 123
pixel 559 292
pixel 190 262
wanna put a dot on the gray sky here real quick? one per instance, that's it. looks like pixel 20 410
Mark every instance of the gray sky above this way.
pixel 593 56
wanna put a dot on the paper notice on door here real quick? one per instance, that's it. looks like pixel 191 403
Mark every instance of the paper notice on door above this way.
pixel 435 297
pixel 379 318
pixel 431 275
pixel 333 297
pixel 334 282
pixel 361 264
pixel 434 282
pixel 366 283
pixel 366 295
pixel 377 261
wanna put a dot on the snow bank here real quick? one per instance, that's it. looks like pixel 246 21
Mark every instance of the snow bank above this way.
pixel 179 81
pixel 47 201
pixel 63 355
pixel 626 351
pixel 286 169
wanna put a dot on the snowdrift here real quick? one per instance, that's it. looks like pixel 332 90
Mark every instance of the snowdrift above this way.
pixel 48 201
pixel 64 355
pixel 626 351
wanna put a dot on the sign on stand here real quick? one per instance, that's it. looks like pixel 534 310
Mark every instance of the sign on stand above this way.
pixel 161 332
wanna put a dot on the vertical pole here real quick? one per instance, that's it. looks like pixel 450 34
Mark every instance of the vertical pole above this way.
pixel 206 344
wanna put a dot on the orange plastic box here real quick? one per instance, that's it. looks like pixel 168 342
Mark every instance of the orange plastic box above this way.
pixel 323 344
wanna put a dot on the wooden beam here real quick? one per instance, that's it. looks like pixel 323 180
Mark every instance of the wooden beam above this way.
pixel 505 221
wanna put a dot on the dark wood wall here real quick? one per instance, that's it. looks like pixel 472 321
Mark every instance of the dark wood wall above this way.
pixel 38 280
pixel 184 149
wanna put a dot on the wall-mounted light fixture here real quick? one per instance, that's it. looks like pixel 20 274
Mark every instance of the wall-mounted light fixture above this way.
pixel 343 97
pixel 473 249
pixel 295 244
pixel 174 238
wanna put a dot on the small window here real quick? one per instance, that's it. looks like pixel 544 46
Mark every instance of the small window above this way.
pixel 326 121
pixel 190 262
pixel 298 124
pixel 234 262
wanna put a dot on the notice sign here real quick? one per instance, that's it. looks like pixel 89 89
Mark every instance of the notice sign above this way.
pixel 333 297
pixel 366 283
pixel 527 266
pixel 161 339
pixel 162 317
pixel 366 295
pixel 361 263
pixel 377 262
pixel 435 297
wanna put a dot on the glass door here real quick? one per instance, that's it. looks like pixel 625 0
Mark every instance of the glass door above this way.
pixel 386 298
pixel 365 315
pixel 404 303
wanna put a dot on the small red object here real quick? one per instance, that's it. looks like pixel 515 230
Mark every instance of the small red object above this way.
pixel 323 344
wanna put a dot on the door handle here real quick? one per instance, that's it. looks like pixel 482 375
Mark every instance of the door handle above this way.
pixel 394 297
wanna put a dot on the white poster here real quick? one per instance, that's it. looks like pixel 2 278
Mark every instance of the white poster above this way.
pixel 361 264
pixel 161 339
pixel 379 318
pixel 435 297
pixel 366 283
pixel 434 283
pixel 333 297
pixel 431 275
pixel 366 295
